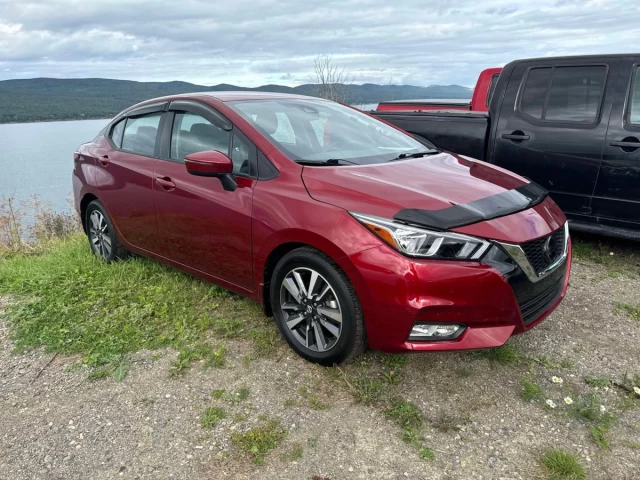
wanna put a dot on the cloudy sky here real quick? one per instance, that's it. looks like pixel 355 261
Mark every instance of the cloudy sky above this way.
pixel 251 43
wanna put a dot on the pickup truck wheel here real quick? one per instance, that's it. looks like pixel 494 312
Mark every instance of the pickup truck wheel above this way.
pixel 316 308
pixel 102 236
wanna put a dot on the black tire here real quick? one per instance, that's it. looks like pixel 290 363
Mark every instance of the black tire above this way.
pixel 103 241
pixel 351 340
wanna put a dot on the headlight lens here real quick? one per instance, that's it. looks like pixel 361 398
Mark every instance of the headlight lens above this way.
pixel 419 242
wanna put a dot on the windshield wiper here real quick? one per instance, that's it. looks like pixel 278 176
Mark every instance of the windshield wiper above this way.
pixel 329 161
pixel 404 156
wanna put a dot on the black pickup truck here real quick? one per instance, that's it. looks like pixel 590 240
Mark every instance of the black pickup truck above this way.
pixel 571 124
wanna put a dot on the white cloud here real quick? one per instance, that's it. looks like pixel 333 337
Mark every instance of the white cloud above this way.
pixel 249 42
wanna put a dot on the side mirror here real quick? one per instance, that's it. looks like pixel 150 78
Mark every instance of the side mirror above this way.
pixel 212 163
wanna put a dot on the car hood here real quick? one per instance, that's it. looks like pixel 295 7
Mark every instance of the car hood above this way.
pixel 427 184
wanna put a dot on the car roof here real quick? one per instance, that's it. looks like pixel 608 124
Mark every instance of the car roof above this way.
pixel 229 96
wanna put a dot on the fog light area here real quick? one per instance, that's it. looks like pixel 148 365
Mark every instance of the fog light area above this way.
pixel 435 331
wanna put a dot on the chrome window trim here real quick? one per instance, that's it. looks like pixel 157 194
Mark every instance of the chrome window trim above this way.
pixel 517 254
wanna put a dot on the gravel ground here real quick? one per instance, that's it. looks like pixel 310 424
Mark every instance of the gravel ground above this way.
pixel 57 424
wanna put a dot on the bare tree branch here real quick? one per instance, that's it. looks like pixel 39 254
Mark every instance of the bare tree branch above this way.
pixel 331 81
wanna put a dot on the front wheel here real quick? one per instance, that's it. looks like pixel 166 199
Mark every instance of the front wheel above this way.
pixel 316 307
pixel 102 236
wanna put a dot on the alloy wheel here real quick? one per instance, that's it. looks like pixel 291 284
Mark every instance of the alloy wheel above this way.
pixel 311 309
pixel 99 235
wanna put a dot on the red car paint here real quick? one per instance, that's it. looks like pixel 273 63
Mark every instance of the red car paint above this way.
pixel 229 237
pixel 479 100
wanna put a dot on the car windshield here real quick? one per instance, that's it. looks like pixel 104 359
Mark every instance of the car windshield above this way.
pixel 316 131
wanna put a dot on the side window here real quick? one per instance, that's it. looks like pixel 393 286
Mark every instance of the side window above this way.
pixel 634 104
pixel 240 152
pixel 140 134
pixel 535 92
pixel 564 94
pixel 192 133
pixel 492 87
pixel 575 94
pixel 116 133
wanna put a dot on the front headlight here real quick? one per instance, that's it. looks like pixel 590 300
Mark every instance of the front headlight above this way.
pixel 419 242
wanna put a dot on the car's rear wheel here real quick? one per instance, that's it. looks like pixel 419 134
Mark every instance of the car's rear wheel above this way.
pixel 102 236
pixel 316 307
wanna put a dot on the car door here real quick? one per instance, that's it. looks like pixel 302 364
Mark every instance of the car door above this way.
pixel 125 175
pixel 552 125
pixel 616 201
pixel 200 224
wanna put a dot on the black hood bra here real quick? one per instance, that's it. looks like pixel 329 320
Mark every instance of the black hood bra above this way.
pixel 494 206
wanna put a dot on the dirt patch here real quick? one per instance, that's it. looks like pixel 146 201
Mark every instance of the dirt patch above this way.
pixel 56 423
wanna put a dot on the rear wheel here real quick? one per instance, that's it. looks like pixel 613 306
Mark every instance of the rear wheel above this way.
pixel 102 236
pixel 316 307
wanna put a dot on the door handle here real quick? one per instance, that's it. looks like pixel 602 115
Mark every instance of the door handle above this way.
pixel 516 136
pixel 628 144
pixel 165 183
pixel 104 160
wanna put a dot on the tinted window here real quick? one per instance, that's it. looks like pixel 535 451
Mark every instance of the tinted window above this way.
pixel 116 133
pixel 192 133
pixel 575 94
pixel 240 156
pixel 140 134
pixel 535 92
pixel 634 111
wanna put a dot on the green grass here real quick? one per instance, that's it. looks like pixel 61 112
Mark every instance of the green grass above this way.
pixel 599 381
pixel 315 404
pixel 598 434
pixel 228 327
pixel 394 361
pixel 561 465
pixel 212 416
pixel 406 414
pixel 73 303
pixel 202 351
pixel 261 440
pixel 530 390
pixel 409 418
pixel 218 393
pixel 241 394
pixel 366 390
pixel 632 311
pixel 504 355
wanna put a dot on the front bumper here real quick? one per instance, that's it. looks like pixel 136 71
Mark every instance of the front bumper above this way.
pixel 402 291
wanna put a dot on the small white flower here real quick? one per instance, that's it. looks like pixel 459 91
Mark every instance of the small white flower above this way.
pixel 606 389
pixel 636 390
pixel 568 400
pixel 602 409
pixel 550 403
pixel 556 379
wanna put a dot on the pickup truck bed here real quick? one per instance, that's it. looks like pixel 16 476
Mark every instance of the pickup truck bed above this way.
pixel 462 132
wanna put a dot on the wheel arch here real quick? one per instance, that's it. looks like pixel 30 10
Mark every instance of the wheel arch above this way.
pixel 285 242
pixel 84 203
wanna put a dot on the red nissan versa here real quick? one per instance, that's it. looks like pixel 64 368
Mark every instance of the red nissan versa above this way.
pixel 349 231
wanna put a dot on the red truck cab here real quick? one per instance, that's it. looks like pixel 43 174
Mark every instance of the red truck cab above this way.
pixel 479 102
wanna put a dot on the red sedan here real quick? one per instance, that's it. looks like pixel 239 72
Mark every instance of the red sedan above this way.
pixel 348 230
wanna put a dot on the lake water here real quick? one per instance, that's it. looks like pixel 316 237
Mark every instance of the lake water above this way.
pixel 37 159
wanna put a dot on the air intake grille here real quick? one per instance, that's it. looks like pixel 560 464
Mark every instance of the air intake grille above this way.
pixel 544 252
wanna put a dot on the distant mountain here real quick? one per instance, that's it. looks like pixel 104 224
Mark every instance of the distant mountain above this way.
pixel 42 99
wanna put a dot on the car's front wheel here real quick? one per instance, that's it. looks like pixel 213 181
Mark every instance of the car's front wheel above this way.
pixel 316 307
pixel 102 236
